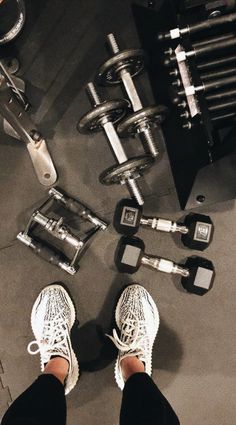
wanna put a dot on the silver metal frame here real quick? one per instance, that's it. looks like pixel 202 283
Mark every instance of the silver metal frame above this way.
pixel 57 229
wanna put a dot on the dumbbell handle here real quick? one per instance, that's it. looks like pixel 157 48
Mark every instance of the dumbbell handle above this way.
pixel 164 265
pixel 146 133
pixel 126 77
pixel 108 126
pixel 163 225
pixel 46 253
pixel 57 229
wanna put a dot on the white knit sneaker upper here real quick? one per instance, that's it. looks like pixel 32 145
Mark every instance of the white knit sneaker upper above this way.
pixel 137 318
pixel 52 318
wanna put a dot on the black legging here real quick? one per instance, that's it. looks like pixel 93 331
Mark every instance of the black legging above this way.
pixel 44 403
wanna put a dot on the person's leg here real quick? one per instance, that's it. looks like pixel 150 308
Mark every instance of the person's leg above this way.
pixel 137 318
pixel 144 404
pixel 43 403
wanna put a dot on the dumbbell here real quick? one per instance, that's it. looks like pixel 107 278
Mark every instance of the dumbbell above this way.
pixel 208 24
pixel 197 229
pixel 103 117
pixel 197 273
pixel 122 67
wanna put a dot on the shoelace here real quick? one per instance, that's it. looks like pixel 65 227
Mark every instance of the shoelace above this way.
pixel 137 334
pixel 54 339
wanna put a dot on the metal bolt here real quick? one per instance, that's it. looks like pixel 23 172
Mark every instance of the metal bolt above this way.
pixel 147 137
pixel 175 72
pixel 185 114
pixel 187 126
pixel 93 94
pixel 135 191
pixel 177 83
pixel 182 104
pixel 36 136
pixel 200 199
pixel 113 43
pixel 169 51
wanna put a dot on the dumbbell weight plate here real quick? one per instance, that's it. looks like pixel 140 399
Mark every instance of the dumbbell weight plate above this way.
pixel 114 110
pixel 201 277
pixel 151 115
pixel 131 59
pixel 121 172
pixel 19 23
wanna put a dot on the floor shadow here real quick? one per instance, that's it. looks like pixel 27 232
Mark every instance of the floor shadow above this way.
pixel 168 350
pixel 93 348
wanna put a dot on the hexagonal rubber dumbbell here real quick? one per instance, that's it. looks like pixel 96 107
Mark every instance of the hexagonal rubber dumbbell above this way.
pixel 197 274
pixel 197 229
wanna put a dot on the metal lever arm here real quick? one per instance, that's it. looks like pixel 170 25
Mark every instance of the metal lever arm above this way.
pixel 22 128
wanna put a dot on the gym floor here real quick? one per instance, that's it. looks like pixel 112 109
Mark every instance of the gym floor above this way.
pixel 194 356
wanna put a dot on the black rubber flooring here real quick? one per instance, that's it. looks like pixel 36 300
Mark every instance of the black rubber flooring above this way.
pixel 60 49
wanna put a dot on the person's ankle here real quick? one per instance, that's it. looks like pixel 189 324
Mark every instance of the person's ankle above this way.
pixel 57 366
pixel 131 365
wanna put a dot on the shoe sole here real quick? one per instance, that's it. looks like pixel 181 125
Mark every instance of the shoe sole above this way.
pixel 157 320
pixel 74 362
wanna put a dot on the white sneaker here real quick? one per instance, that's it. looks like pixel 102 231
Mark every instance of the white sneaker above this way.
pixel 52 318
pixel 138 320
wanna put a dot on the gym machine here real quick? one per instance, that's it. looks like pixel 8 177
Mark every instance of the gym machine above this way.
pixel 103 116
pixel 197 273
pixel 14 105
pixel 57 229
pixel 196 230
pixel 191 46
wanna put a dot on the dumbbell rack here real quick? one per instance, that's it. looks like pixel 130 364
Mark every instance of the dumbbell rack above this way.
pixel 201 147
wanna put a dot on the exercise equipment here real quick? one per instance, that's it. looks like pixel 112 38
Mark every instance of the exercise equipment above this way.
pixel 208 24
pixel 197 273
pixel 196 231
pixel 103 116
pixel 16 27
pixel 198 52
pixel 199 131
pixel 208 86
pixel 211 7
pixel 18 124
pixel 122 67
pixel 57 229
pixel 215 63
